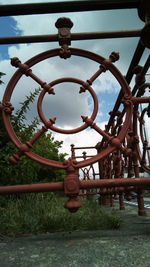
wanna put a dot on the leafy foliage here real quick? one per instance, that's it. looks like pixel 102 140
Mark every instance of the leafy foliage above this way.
pixel 28 171
pixel 1 74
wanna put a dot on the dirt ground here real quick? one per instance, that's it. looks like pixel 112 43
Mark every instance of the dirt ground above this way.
pixel 128 246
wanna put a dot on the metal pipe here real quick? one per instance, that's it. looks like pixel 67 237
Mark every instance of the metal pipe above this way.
pixel 137 100
pixel 85 147
pixel 67 6
pixel 31 188
pixel 102 183
pixel 59 186
pixel 74 37
pixel 81 157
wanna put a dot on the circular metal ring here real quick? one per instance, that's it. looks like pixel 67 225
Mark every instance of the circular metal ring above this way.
pixel 65 131
pixel 76 52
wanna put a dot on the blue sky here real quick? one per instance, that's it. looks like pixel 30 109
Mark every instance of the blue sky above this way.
pixel 8 28
pixel 68 100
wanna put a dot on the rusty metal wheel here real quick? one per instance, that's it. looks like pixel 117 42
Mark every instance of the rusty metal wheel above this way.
pixel 114 142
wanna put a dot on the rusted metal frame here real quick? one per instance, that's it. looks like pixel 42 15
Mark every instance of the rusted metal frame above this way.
pixel 12 83
pixel 117 164
pixel 121 200
pixel 130 167
pixel 135 162
pixel 135 60
pixel 66 6
pixel 56 129
pixel 110 148
pixel 30 154
pixel 115 127
pixel 73 203
pixel 74 37
pixel 141 90
pixel 135 88
pixel 86 172
pixel 59 186
pixel 142 74
pixel 117 168
pixel 136 182
pixel 142 156
pixel 133 142
pixel 31 188
pixel 128 190
pixel 25 68
pixel 139 100
pixel 28 145
pixel 93 171
pixel 105 172
pixel 140 201
pixel 120 134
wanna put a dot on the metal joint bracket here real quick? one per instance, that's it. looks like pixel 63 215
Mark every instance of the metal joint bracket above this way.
pixel 64 36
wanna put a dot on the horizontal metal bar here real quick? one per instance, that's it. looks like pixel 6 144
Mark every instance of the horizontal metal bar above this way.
pixel 31 188
pixel 81 157
pixel 67 6
pixel 74 37
pixel 85 147
pixel 59 186
pixel 140 100
pixel 137 182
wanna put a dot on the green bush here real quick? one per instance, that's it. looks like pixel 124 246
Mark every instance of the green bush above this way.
pixel 28 171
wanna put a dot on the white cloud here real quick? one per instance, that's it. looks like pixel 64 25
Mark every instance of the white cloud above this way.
pixel 147 127
pixel 85 138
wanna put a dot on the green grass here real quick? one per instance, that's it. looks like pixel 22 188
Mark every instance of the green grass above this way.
pixel 42 213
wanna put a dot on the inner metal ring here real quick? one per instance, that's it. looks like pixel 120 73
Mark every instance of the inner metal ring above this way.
pixel 65 131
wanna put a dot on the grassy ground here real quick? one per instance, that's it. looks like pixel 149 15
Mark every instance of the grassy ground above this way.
pixel 41 213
